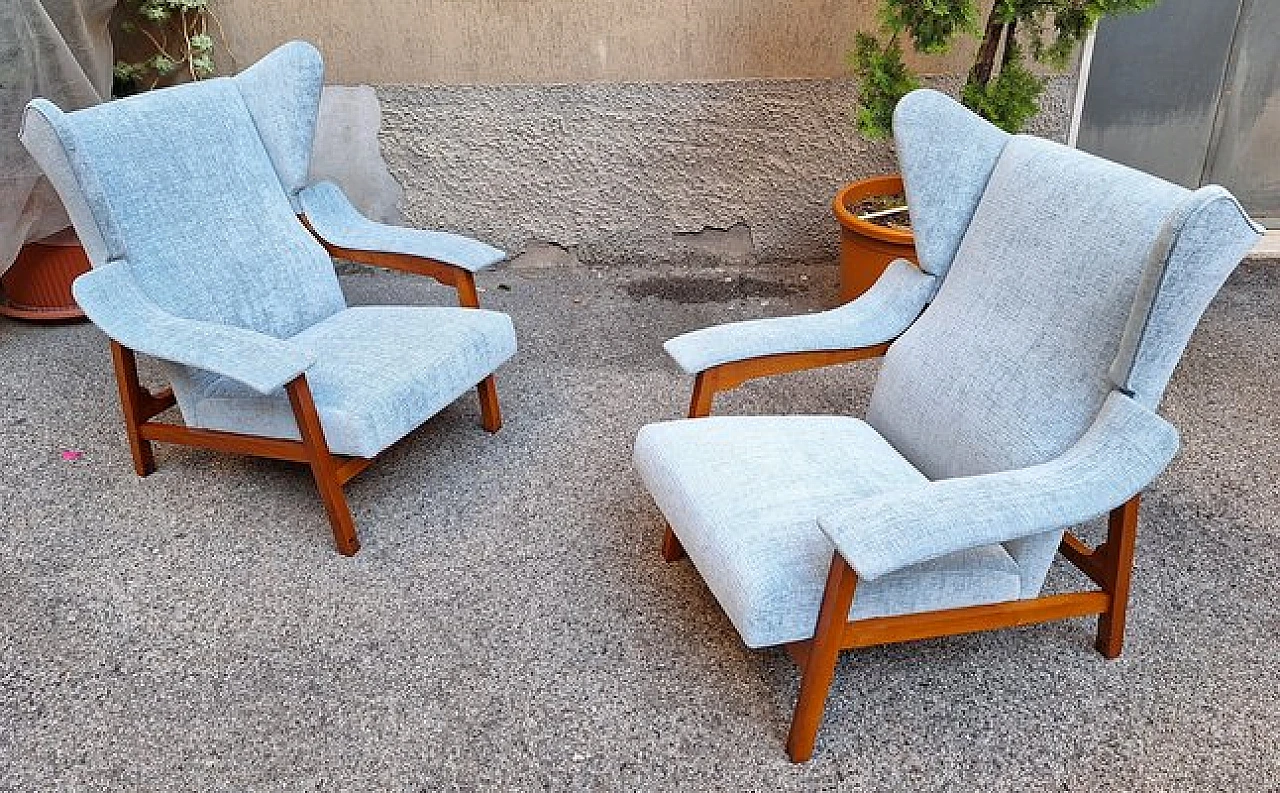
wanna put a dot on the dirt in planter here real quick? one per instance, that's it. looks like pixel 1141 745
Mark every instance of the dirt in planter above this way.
pixel 877 205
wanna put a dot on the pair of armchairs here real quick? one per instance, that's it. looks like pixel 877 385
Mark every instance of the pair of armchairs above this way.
pixel 1024 359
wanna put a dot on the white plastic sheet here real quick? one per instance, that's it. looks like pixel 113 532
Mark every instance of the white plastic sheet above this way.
pixel 61 50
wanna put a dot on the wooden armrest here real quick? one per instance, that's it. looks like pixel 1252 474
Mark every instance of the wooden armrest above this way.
pixel 728 376
pixel 459 278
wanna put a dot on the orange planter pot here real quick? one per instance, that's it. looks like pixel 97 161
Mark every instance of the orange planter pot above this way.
pixel 38 285
pixel 865 248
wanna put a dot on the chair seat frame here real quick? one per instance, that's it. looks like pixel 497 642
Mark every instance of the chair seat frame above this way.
pixel 1109 566
pixel 331 472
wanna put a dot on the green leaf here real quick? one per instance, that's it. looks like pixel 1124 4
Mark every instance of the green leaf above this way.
pixel 931 24
pixel 1051 29
pixel 154 10
pixel 163 64
pixel 125 71
pixel 1010 100
pixel 203 66
pixel 170 35
pixel 883 79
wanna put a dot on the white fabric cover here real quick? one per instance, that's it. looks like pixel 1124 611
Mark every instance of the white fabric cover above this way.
pixel 59 49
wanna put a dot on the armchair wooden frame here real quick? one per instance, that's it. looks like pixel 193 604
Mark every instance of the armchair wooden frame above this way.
pixel 1109 565
pixel 331 471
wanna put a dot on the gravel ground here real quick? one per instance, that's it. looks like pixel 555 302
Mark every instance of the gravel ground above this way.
pixel 509 624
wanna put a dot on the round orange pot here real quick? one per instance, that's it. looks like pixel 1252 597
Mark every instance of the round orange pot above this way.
pixel 865 248
pixel 38 285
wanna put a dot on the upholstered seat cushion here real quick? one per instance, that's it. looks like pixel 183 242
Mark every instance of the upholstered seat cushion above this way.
pixel 743 494
pixel 380 371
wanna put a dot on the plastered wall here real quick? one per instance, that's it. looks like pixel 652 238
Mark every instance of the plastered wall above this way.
pixel 635 133
pixel 562 41
pixel 642 174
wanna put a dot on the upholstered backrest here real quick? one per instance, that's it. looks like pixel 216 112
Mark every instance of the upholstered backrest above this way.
pixel 1074 276
pixel 1198 247
pixel 946 155
pixel 192 186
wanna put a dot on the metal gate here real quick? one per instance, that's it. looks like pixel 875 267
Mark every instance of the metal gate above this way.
pixel 1190 90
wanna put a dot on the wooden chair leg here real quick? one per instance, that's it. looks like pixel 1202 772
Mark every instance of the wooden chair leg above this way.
pixel 699 407
pixel 703 395
pixel 490 411
pixel 131 403
pixel 1117 570
pixel 672 550
pixel 323 466
pixel 823 652
pixel 468 296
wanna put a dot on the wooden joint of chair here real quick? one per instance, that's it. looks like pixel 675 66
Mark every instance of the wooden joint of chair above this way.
pixel 154 403
pixel 1108 565
pixel 1085 559
pixel 143 404
pixel 730 375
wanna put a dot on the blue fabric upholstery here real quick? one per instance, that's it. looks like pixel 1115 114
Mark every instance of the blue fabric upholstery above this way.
pixel 1125 449
pixel 1019 403
pixel 946 155
pixel 261 362
pixel 1044 282
pixel 335 219
pixel 174 176
pixel 186 197
pixel 878 315
pixel 1199 246
pixel 744 494
pixel 42 143
pixel 1008 366
pixel 379 372
pixel 282 94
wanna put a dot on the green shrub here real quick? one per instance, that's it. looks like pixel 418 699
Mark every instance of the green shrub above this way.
pixel 1000 86
pixel 175 39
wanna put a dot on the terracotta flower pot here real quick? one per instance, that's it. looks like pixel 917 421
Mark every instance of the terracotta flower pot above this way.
pixel 38 285
pixel 865 248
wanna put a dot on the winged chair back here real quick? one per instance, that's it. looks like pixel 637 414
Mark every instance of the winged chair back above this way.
pixel 1054 296
pixel 195 188
pixel 1045 305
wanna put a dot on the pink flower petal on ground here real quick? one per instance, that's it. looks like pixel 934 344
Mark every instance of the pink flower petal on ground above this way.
pixel 71 457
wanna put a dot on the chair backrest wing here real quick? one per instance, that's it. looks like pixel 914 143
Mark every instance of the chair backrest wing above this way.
pixel 1075 276
pixel 946 155
pixel 1198 247
pixel 192 186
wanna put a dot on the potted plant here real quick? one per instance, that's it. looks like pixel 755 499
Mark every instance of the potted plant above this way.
pixel 1000 87
pixel 63 52
pixel 163 42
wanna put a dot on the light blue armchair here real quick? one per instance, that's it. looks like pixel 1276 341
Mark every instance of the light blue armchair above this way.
pixel 1025 360
pixel 209 254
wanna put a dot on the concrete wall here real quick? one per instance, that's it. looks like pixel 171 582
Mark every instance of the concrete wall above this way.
pixel 615 132
pixel 630 173
pixel 559 41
